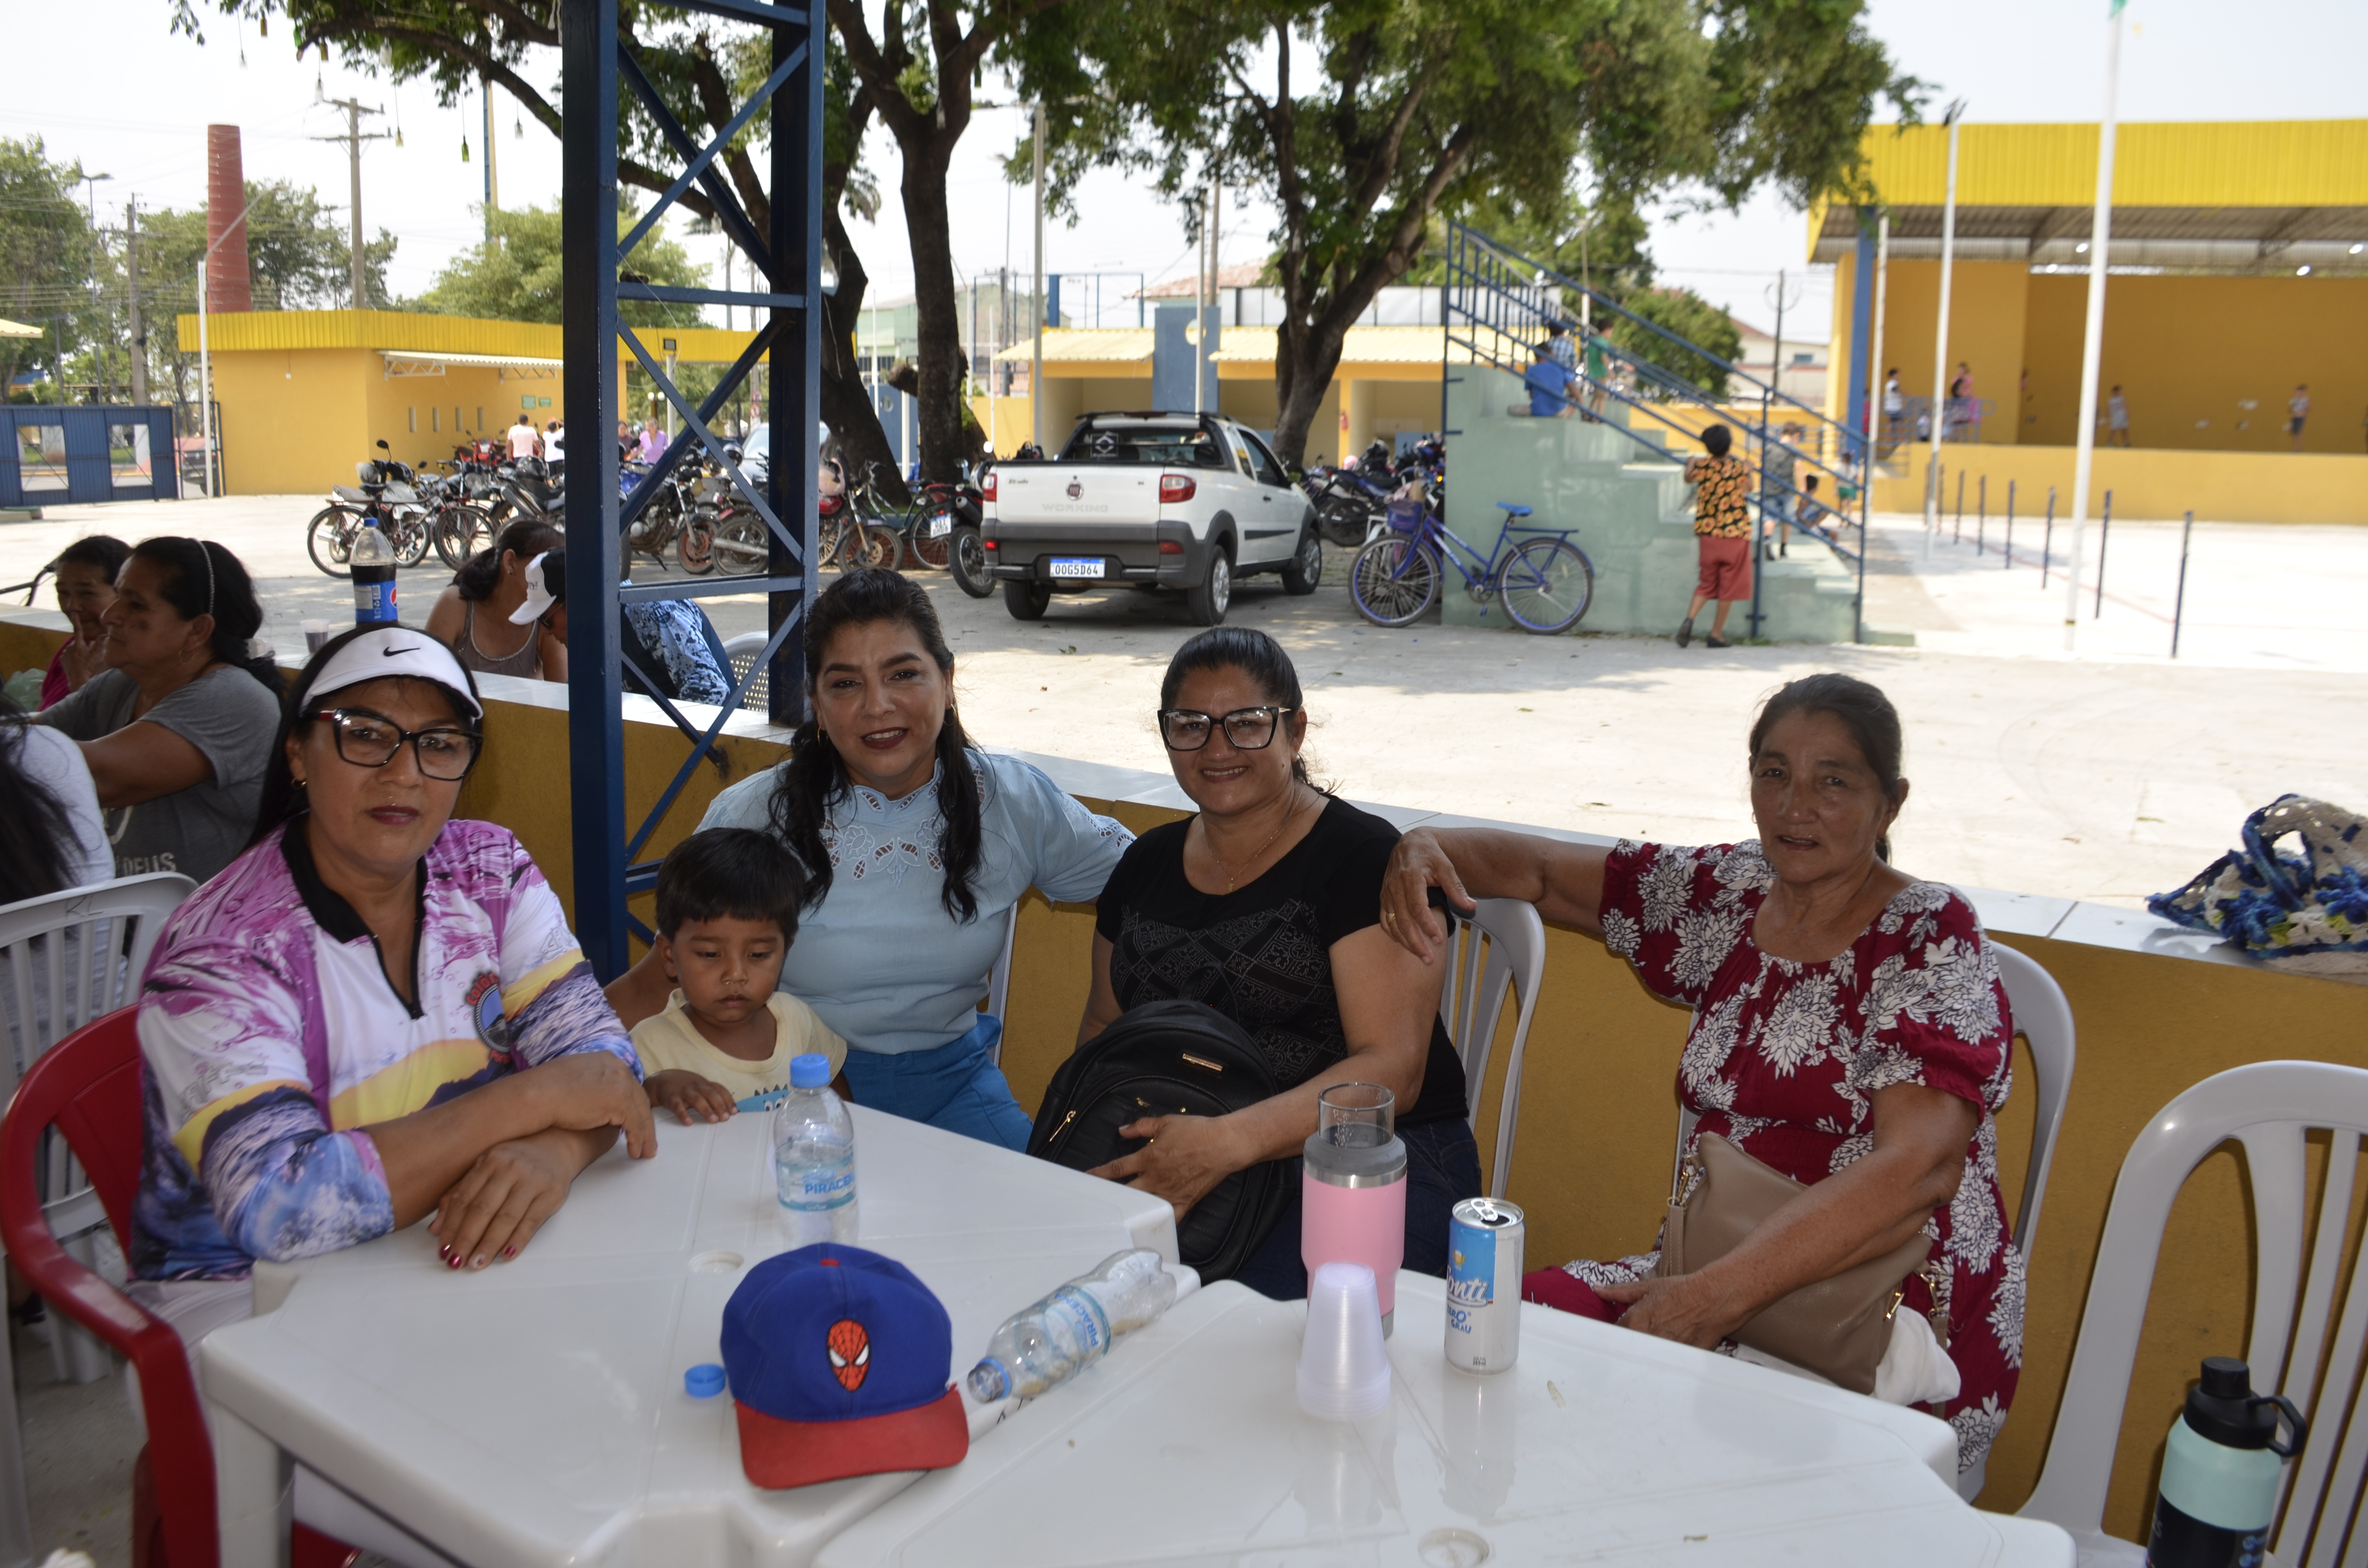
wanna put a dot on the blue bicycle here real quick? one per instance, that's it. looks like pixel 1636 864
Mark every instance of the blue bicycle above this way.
pixel 1545 580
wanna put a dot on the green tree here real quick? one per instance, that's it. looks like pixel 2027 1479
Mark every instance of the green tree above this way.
pixel 46 255
pixel 1363 122
pixel 516 274
pixel 1689 316
pixel 700 67
pixel 298 257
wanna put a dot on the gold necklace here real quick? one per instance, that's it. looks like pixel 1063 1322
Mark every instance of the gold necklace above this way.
pixel 1210 839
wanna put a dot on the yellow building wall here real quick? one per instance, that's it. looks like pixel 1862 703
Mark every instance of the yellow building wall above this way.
pixel 2190 351
pixel 1986 306
pixel 1599 1112
pixel 2249 487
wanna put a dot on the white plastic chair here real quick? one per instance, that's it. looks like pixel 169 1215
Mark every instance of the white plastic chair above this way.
pixel 2269 1107
pixel 741 654
pixel 1514 954
pixel 999 982
pixel 2043 1018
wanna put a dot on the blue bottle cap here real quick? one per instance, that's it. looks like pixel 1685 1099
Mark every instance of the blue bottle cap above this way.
pixel 810 1070
pixel 703 1381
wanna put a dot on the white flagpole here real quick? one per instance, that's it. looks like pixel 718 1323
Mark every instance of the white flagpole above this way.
pixel 2093 337
pixel 1939 414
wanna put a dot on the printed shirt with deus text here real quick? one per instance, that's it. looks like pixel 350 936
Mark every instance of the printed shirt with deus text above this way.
pixel 272 1037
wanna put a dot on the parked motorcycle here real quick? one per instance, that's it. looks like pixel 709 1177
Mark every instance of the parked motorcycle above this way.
pixel 387 492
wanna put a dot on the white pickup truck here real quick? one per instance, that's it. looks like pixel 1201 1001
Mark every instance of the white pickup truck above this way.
pixel 1188 502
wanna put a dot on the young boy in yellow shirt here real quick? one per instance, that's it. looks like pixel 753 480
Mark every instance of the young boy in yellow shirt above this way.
pixel 727 911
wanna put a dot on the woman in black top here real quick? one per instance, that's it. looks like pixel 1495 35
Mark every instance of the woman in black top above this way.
pixel 1266 906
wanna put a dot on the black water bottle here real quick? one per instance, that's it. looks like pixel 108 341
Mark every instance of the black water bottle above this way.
pixel 2220 1472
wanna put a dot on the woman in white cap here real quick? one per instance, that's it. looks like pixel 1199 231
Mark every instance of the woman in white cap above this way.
pixel 477 615
pixel 374 1016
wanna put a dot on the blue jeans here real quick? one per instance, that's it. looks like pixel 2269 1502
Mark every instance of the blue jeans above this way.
pixel 956 1086
pixel 1443 1169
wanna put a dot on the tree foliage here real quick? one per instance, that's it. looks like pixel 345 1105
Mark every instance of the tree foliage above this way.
pixel 516 273
pixel 701 69
pixel 46 254
pixel 1364 123
pixel 1689 316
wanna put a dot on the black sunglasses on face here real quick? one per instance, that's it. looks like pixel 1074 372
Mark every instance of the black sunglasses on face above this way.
pixel 370 740
pixel 1248 729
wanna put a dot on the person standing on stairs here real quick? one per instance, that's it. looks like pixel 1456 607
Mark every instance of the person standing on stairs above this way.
pixel 1722 533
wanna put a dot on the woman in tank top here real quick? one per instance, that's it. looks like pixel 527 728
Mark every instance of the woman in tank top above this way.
pixel 473 616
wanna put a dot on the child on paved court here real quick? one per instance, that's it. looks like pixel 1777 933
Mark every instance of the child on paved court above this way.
pixel 727 911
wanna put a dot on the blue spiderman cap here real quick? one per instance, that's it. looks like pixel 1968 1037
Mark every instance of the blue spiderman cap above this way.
pixel 841 1364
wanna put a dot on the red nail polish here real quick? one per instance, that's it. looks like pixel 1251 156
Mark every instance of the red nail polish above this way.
pixel 452 1260
pixel 510 1251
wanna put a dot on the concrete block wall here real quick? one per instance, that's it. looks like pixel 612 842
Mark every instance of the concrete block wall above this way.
pixel 1629 510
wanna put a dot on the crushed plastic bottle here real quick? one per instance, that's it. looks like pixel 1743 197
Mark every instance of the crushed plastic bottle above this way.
pixel 1072 1328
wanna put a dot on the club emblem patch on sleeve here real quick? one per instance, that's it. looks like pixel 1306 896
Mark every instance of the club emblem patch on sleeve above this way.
pixel 850 1352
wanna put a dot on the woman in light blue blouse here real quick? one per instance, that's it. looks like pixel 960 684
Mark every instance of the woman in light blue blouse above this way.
pixel 918 845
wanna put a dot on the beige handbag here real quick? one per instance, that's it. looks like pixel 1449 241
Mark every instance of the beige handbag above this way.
pixel 1837 1328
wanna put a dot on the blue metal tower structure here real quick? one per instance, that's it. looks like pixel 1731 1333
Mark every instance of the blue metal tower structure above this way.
pixel 786 286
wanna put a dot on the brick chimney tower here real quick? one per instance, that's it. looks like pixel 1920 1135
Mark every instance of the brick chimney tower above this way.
pixel 227 287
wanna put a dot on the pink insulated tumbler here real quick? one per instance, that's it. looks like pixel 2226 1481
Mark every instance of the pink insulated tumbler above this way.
pixel 1353 1197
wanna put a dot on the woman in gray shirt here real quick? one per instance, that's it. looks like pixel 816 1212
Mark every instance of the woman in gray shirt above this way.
pixel 178 728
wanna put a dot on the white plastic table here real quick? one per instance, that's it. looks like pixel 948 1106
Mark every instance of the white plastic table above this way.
pixel 534 1414
pixel 1187 1445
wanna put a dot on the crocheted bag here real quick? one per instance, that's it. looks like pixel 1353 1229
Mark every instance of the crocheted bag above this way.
pixel 2306 912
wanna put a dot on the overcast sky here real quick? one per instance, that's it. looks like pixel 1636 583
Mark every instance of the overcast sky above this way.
pixel 136 109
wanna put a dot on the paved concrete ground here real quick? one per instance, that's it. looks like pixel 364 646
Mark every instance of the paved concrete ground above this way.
pixel 2106 774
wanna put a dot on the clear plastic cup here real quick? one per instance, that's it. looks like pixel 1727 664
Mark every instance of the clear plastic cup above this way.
pixel 1344 1373
pixel 315 633
pixel 1356 1116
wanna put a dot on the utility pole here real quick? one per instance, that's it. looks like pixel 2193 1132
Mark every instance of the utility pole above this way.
pixel 1940 417
pixel 131 296
pixel 353 138
pixel 1036 361
pixel 2092 335
pixel 493 180
pixel 97 355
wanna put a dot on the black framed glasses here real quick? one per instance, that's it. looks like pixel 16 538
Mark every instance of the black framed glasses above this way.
pixel 1248 729
pixel 366 739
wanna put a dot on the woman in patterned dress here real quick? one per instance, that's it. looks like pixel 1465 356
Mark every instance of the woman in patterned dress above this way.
pixel 1850 1029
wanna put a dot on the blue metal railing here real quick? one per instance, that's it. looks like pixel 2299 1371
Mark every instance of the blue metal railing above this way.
pixel 1499 304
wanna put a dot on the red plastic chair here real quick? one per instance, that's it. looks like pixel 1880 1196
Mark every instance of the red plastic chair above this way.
pixel 88 1086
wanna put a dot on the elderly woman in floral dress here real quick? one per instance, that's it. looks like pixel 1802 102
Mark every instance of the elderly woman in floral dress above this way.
pixel 1849 1030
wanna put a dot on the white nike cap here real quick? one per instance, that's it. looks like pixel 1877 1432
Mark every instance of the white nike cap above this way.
pixel 395 651
pixel 546 584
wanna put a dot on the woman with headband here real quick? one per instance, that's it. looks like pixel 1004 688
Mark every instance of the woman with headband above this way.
pixel 178 728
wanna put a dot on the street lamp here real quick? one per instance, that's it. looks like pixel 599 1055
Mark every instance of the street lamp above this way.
pixel 90 195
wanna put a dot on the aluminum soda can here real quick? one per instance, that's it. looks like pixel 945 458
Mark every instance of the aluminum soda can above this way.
pixel 1484 1285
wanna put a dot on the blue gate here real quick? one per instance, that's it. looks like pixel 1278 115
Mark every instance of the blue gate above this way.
pixel 50 456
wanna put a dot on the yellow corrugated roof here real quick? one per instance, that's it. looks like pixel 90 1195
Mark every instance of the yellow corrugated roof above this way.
pixel 1075 346
pixel 1360 345
pixel 230 332
pixel 2275 162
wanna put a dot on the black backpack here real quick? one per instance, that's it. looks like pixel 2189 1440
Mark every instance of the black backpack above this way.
pixel 1160 1059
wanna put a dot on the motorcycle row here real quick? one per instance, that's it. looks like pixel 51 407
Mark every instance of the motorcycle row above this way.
pixel 697 514
pixel 1353 501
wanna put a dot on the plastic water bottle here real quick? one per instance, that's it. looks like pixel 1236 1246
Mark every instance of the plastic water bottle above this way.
pixel 1072 1328
pixel 813 1157
pixel 373 565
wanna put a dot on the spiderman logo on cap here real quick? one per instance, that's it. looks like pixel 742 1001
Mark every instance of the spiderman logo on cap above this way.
pixel 850 1352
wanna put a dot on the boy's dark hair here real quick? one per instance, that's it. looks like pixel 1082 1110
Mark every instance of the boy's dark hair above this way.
pixel 1717 439
pixel 730 874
